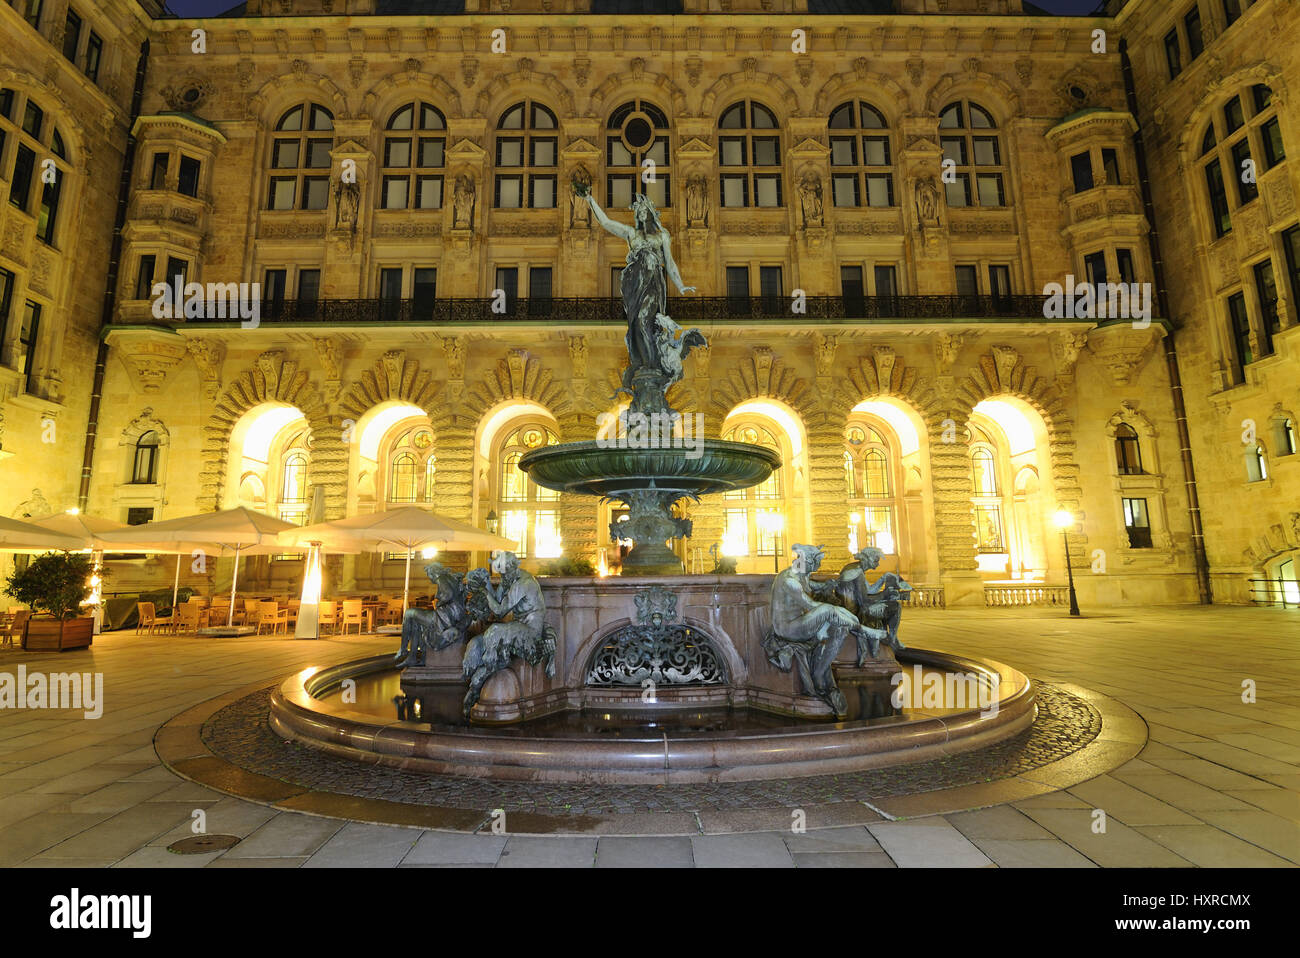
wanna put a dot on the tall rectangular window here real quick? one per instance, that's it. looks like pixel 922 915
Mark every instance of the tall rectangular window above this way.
pixel 1137 523
pixel 177 271
pixel 1000 286
pixel 25 358
pixel 967 281
pixel 158 172
pixel 48 214
pixel 853 290
pixel 1239 329
pixel 1266 288
pixel 1231 12
pixel 770 286
pixel 1270 134
pixel 1195 38
pixel 273 286
pixel 72 36
pixel 1110 166
pixel 188 181
pixel 738 282
pixel 886 278
pixel 1291 248
pixel 6 301
pixel 1081 169
pixel 508 283
pixel 308 289
pixel 1173 56
pixel 1094 265
pixel 1127 271
pixel 390 284
pixel 94 54
pixel 424 290
pixel 539 290
pixel 1247 189
pixel 20 184
pixel 144 277
pixel 1220 218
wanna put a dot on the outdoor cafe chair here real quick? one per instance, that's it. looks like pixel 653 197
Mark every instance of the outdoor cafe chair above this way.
pixel 15 626
pixel 353 613
pixel 268 612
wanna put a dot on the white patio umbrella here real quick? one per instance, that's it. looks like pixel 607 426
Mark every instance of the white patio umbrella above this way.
pixel 241 530
pixel 407 527
pixel 18 536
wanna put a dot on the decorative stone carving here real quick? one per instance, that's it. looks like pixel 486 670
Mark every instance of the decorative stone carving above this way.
pixel 878 605
pixel 825 354
pixel 455 348
pixel 1066 347
pixel 657 650
pixel 327 351
pixel 393 377
pixel 207 356
pixel 697 201
pixel 1122 349
pixel 946 348
pixel 149 356
pixel 579 208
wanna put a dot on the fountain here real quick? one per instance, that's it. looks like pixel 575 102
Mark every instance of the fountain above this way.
pixel 649 474
pixel 653 676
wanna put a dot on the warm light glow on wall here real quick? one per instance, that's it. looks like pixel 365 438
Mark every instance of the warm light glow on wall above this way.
pixel 382 421
pixel 262 429
pixel 908 440
pixel 778 414
pixel 1014 423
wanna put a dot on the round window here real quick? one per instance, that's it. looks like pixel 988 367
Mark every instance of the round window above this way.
pixel 638 132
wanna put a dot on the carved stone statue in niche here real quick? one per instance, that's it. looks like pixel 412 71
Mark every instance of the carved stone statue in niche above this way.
pixel 927 203
pixel 697 201
pixel 579 208
pixel 810 200
pixel 347 202
pixel 463 203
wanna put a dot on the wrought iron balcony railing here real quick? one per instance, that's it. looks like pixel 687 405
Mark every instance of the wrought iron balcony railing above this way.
pixel 590 310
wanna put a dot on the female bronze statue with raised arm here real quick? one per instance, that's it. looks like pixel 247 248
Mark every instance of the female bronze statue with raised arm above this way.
pixel 650 267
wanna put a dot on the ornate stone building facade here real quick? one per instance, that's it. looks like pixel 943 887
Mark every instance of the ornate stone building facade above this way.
pixel 871 206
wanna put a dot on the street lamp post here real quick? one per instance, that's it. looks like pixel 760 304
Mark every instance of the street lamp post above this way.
pixel 1064 520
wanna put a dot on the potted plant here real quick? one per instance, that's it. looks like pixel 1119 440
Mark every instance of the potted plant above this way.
pixel 56 584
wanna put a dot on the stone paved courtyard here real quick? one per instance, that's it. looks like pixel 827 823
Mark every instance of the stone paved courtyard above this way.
pixel 1218 783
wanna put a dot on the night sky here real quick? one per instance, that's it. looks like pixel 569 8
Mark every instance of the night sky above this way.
pixel 200 8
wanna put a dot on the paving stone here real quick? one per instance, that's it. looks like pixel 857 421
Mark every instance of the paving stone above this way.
pixel 361 845
pixel 451 848
pixel 927 843
pixel 286 835
pixel 1210 847
pixel 750 850
pixel 1129 805
pixel 668 852
pixel 1118 847
pixel 1035 853
pixel 1003 822
pixel 524 852
pixel 842 860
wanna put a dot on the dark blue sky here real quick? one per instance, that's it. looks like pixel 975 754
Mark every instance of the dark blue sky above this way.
pixel 199 8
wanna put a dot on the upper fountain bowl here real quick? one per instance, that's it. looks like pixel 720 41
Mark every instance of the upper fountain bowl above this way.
pixel 587 467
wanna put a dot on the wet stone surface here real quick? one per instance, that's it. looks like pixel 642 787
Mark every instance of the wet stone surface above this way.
pixel 241 735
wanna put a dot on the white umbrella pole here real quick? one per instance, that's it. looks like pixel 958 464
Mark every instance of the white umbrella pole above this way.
pixel 406 588
pixel 234 578
pixel 176 585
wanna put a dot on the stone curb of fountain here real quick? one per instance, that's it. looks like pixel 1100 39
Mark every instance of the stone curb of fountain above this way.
pixel 184 746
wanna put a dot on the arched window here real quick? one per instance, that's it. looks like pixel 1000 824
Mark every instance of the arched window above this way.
pixel 861 159
pixel 636 143
pixel 526 157
pixel 987 500
pixel 1128 450
pixel 1256 464
pixel 412 466
pixel 970 140
pixel 292 500
pixel 144 466
pixel 1245 135
pixel 529 513
pixel 24 123
pixel 415 143
pixel 755 518
pixel 300 159
pixel 870 460
pixel 749 156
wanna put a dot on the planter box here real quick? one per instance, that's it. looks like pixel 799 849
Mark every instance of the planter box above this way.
pixel 58 635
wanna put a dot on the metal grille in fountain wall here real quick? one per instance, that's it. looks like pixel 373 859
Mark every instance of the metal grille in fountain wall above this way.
pixel 672 655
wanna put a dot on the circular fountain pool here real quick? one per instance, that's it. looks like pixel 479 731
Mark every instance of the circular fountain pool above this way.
pixel 951 704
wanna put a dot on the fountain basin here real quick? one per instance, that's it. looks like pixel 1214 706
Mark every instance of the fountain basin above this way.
pixel 596 470
pixel 305 708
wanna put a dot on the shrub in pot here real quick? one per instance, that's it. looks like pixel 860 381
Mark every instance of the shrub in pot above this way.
pixel 55 585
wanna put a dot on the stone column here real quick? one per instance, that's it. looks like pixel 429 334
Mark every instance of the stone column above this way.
pixel 453 443
pixel 954 523
pixel 579 514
